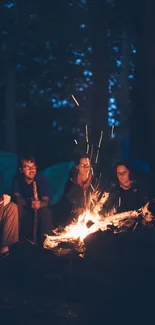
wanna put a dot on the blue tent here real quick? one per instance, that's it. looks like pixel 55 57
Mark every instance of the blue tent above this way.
pixel 57 175
pixel 8 168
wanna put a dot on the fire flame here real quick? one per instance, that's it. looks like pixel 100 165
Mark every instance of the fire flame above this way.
pixel 88 222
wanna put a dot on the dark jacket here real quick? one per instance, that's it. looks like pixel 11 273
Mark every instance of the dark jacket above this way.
pixel 75 196
pixel 125 200
pixel 25 191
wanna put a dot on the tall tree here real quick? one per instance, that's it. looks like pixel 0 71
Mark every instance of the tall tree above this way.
pixel 148 44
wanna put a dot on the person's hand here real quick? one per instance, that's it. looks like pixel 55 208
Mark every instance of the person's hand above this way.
pixel 36 204
pixel 6 199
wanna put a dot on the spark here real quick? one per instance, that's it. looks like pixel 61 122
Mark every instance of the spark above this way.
pixel 75 100
pixel 87 148
pixel 112 131
pixel 87 139
pixel 75 141
pixel 101 136
pixel 91 154
pixel 135 226
pixel 87 133
pixel 99 145
pixel 96 160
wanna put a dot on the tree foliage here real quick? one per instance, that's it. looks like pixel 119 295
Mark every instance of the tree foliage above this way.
pixel 50 45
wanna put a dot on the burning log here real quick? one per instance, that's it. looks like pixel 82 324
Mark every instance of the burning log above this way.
pixel 87 223
pixel 90 222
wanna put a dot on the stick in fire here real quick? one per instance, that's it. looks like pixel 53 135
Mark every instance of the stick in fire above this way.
pixel 35 196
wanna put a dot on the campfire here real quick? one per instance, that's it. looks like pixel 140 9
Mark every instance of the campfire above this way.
pixel 89 222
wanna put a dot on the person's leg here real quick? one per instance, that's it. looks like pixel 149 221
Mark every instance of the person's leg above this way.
pixel 9 224
pixel 45 223
pixel 25 222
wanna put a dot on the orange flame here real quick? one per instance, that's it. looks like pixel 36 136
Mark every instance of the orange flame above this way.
pixel 87 223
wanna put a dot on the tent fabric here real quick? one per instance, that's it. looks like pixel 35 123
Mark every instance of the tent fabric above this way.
pixel 8 168
pixel 57 175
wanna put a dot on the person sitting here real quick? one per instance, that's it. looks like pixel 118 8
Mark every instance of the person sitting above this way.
pixel 24 196
pixel 76 195
pixel 8 224
pixel 127 194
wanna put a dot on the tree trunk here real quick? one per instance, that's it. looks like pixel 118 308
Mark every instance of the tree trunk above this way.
pixel 143 132
pixel 149 77
pixel 123 134
pixel 140 138
pixel 99 107
pixel 10 123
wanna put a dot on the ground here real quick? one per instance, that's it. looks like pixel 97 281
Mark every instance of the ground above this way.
pixel 114 283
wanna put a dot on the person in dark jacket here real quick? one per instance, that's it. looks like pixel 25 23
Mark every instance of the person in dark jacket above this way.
pixel 76 195
pixel 24 196
pixel 127 194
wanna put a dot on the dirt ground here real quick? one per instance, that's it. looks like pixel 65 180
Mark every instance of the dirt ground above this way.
pixel 114 283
